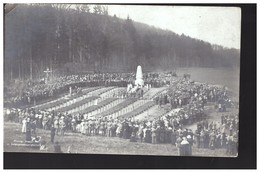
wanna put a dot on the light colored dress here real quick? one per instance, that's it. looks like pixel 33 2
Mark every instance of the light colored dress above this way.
pixel 24 126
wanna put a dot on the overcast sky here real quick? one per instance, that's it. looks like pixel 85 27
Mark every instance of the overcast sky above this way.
pixel 217 25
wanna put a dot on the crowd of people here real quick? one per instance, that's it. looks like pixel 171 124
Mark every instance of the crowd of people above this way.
pixel 35 91
pixel 166 129
pixel 187 92
pixel 222 134
pixel 190 97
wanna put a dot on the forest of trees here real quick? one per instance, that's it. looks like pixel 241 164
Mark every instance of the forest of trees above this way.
pixel 87 38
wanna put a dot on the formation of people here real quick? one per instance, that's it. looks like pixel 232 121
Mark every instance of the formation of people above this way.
pixel 35 91
pixel 194 95
pixel 186 95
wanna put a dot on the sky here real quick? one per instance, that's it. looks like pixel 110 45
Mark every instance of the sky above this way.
pixel 216 25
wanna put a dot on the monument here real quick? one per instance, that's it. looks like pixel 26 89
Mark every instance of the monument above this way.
pixel 139 77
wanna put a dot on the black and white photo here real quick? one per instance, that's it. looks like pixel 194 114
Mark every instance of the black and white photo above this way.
pixel 160 80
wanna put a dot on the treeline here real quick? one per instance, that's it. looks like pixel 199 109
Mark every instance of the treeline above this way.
pixel 68 39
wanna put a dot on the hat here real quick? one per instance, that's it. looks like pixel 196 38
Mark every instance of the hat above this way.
pixel 184 138
pixel 188 137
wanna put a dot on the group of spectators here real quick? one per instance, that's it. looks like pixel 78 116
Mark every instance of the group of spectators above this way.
pixel 36 91
pixel 154 131
pixel 194 95
pixel 188 96
pixel 166 129
pixel 222 134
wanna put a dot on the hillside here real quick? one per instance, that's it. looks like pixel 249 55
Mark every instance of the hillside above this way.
pixel 71 40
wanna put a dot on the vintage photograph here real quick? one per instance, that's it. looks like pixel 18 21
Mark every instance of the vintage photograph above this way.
pixel 160 80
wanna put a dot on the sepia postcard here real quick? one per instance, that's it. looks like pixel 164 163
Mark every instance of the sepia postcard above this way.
pixel 122 79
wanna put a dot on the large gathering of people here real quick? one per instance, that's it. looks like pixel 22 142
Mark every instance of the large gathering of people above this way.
pixel 187 92
pixel 36 91
pixel 187 97
pixel 169 128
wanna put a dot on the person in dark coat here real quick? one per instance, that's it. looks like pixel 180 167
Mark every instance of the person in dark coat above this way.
pixel 197 138
pixel 132 138
pixel 57 148
pixel 33 127
pixel 162 135
pixel 148 136
pixel 28 131
pixel 52 134
pixel 206 139
pixel 184 147
pixel 190 140
pixel 174 137
pixel 154 135
pixel 178 145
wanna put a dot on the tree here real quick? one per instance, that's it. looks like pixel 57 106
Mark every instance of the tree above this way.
pixel 105 10
pixel 98 9
pixel 52 35
pixel 83 8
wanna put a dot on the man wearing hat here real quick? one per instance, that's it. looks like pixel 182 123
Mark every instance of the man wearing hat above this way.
pixel 190 140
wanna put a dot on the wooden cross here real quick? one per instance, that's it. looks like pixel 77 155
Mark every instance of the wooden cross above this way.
pixel 47 74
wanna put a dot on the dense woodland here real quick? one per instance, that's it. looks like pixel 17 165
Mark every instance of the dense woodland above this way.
pixel 84 38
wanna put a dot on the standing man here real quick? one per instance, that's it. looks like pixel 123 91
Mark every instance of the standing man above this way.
pixel 185 147
pixel 190 140
pixel 154 135
pixel 52 133
pixel 62 125
pixel 28 130
pixel 178 145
